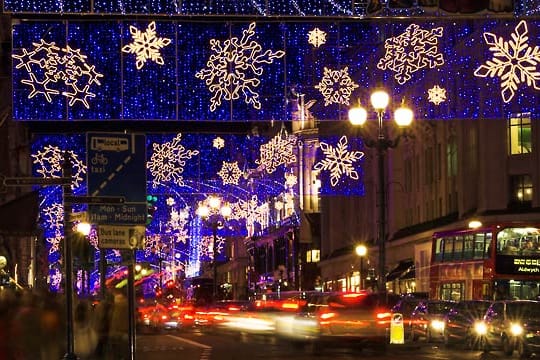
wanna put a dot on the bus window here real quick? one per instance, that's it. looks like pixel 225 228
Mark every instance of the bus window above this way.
pixel 448 248
pixel 458 247
pixel 439 249
pixel 468 241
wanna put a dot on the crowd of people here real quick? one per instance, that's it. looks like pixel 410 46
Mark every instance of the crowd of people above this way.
pixel 33 326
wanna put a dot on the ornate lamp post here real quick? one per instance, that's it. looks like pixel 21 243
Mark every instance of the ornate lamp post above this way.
pixel 403 117
pixel 215 213
pixel 361 251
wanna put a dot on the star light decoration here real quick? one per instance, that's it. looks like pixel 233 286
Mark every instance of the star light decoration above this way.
pixel 317 37
pixel 146 45
pixel 234 68
pixel 436 95
pixel 339 160
pixel 514 61
pixel 168 160
pixel 278 151
pixel 50 159
pixel 230 172
pixel 177 225
pixel 53 218
pixel 336 86
pixel 411 51
pixel 53 71
pixel 218 143
pixel 290 179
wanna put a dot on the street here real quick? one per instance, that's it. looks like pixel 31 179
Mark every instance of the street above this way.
pixel 199 346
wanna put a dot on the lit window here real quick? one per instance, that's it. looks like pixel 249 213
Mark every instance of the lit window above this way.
pixel 519 134
pixel 521 190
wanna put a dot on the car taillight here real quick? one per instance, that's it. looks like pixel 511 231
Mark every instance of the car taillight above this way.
pixel 383 318
pixel 326 317
pixel 289 306
pixel 164 317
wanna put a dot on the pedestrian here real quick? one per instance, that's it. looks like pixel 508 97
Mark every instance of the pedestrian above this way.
pixel 84 332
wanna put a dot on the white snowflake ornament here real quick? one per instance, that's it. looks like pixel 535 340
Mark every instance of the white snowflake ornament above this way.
pixel 339 160
pixel 411 51
pixel 230 172
pixel 146 45
pixel 168 160
pixel 436 95
pixel 50 160
pixel 278 151
pixel 514 61
pixel 234 67
pixel 218 143
pixel 317 37
pixel 336 86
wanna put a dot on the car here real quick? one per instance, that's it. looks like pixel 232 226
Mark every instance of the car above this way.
pixel 342 319
pixel 156 319
pixel 405 306
pixel 512 325
pixel 460 322
pixel 427 320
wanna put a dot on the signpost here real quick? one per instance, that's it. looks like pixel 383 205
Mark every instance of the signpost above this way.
pixel 31 181
pixel 121 237
pixel 116 168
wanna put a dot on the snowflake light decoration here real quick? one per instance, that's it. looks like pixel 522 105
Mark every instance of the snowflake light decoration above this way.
pixel 50 159
pixel 234 68
pixel 336 86
pixel 146 45
pixel 54 243
pixel 52 69
pixel 514 61
pixel 252 212
pixel 218 143
pixel 206 246
pixel 290 179
pixel 230 172
pixel 436 95
pixel 278 151
pixel 170 201
pixel 411 51
pixel 339 161
pixel 168 160
pixel 317 37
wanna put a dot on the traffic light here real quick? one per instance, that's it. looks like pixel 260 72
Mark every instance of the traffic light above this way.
pixel 151 201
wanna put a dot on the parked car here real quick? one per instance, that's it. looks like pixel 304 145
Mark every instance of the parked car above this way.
pixel 427 320
pixel 460 322
pixel 342 319
pixel 513 325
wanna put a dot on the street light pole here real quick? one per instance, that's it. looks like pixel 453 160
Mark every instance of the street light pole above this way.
pixel 361 251
pixel 214 263
pixel 403 116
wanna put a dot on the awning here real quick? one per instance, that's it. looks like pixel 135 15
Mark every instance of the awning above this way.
pixel 409 274
pixel 400 270
pixel 19 216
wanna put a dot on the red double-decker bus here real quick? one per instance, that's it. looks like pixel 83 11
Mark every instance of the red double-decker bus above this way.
pixel 496 261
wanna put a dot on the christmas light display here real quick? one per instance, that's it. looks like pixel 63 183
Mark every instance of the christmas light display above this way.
pixel 436 95
pixel 317 37
pixel 146 45
pixel 339 160
pixel 249 72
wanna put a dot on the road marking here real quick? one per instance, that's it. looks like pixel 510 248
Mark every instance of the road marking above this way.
pixel 112 175
pixel 191 342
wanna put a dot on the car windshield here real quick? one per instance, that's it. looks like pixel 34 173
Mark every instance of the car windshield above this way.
pixel 523 310
pixel 439 307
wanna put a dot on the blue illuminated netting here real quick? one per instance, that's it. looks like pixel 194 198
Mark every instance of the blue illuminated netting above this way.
pixel 239 7
pixel 182 90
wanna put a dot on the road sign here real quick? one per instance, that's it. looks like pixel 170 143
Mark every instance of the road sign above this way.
pixel 29 181
pixel 95 199
pixel 117 168
pixel 121 237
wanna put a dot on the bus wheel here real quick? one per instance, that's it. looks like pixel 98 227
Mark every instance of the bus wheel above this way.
pixel 507 346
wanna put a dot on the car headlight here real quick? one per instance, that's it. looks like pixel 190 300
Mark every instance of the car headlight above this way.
pixel 516 329
pixel 480 328
pixel 437 325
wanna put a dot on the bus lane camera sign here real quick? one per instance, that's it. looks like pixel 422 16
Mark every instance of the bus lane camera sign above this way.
pixel 117 168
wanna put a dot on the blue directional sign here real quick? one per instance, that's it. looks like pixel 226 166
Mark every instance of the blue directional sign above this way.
pixel 117 168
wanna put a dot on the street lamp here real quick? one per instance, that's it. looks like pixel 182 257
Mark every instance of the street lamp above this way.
pixel 403 117
pixel 361 251
pixel 215 213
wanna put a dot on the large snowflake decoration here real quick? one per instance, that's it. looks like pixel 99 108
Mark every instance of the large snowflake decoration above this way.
pixel 317 37
pixel 50 160
pixel 436 95
pixel 234 68
pixel 252 212
pixel 177 225
pixel 514 61
pixel 218 143
pixel 278 151
pixel 206 246
pixel 230 172
pixel 168 160
pixel 51 70
pixel 339 161
pixel 411 51
pixel 146 45
pixel 336 86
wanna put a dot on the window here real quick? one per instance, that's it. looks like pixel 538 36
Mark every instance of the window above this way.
pixel 452 291
pixel 521 190
pixel 451 157
pixel 519 134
